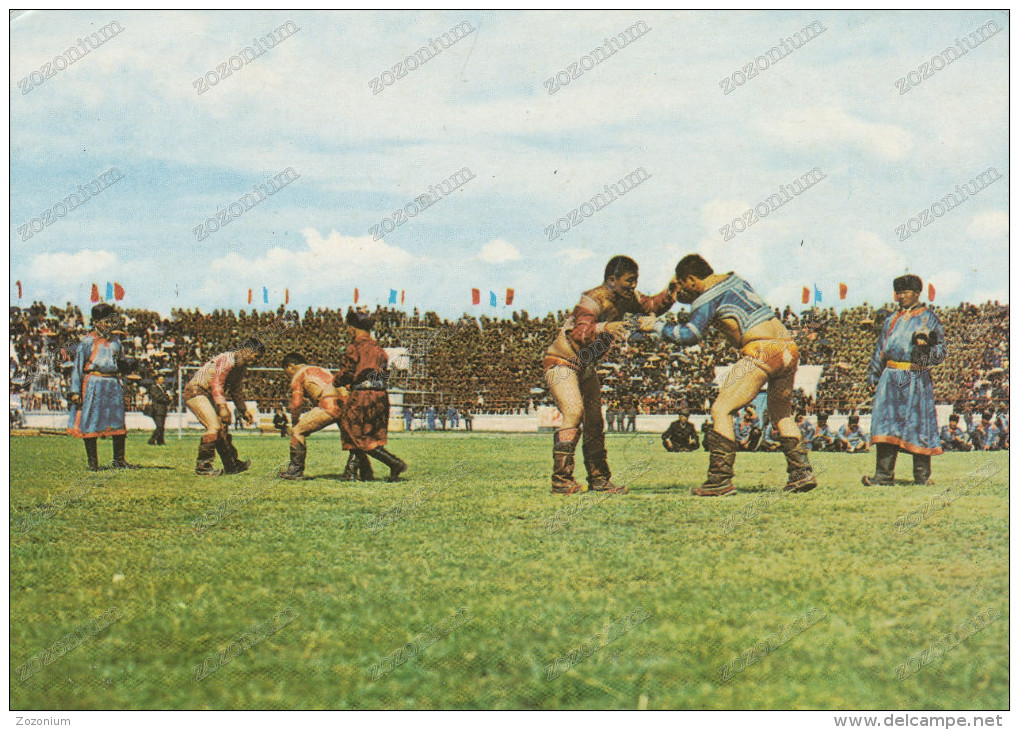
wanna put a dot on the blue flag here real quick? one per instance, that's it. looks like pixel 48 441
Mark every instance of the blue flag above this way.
pixel 109 291
pixel 817 294
pixel 392 296
pixel 265 295
pixel 491 298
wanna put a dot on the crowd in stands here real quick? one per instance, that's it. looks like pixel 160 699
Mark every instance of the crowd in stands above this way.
pixel 492 365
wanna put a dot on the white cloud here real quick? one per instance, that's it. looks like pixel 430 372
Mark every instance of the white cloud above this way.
pixel 993 224
pixel 70 268
pixel 498 251
pixel 577 254
pixel 822 128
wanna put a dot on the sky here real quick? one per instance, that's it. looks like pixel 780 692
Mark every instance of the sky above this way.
pixel 362 149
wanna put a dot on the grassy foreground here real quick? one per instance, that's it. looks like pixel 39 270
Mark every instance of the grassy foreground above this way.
pixel 470 586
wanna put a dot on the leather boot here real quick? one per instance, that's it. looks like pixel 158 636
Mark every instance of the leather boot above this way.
pixel 599 476
pixel 206 457
pixel 797 464
pixel 922 469
pixel 119 449
pixel 92 452
pixel 884 472
pixel 298 455
pixel 563 449
pixel 364 467
pixel 236 465
pixel 722 452
pixel 396 465
pixel 350 472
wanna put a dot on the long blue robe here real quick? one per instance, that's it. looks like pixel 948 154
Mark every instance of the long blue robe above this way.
pixel 101 412
pixel 903 411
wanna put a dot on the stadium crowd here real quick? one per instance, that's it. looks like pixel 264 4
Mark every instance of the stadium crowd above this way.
pixel 494 365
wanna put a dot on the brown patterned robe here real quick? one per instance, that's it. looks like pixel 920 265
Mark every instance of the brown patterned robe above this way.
pixel 364 371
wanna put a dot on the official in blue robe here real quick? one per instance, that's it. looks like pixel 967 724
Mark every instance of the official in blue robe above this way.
pixel 96 393
pixel 912 341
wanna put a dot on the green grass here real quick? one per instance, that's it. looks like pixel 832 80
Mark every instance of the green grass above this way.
pixel 477 538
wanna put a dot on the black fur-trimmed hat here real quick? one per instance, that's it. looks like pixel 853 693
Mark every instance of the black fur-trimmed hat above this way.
pixel 908 282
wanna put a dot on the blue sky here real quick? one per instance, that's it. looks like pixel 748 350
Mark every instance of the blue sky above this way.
pixel 483 104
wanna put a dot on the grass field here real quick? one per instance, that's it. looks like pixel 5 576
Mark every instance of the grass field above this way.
pixel 654 599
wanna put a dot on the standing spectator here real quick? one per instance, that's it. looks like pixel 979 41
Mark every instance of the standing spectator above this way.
pixel 453 417
pixel 706 428
pixel 911 342
pixel 619 419
pixel 280 422
pixel 443 415
pixel 468 419
pixel 954 438
pixel 680 435
pixel 159 401
pixel 631 417
pixel 610 416
pixel 430 417
pixel 408 418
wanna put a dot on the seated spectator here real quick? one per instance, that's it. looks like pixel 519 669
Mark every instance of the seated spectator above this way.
pixel 851 438
pixel 680 435
pixel 824 437
pixel 954 438
pixel 769 442
pixel 748 433
pixel 985 436
pixel 806 429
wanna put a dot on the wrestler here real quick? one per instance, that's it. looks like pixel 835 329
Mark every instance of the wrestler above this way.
pixel 569 365
pixel 364 417
pixel 96 393
pixel 206 396
pixel 769 356
pixel 317 385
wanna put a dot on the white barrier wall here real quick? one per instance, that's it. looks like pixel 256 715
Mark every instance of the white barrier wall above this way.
pixel 509 424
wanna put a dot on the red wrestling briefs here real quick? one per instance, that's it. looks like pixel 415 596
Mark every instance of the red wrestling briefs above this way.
pixel 777 358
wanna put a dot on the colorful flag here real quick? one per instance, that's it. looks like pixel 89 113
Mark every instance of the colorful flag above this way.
pixel 95 292
pixel 491 298
pixel 509 297
pixel 19 289
pixel 403 294
pixel 843 290
pixel 249 296
pixel 475 296
pixel 286 296
pixel 109 291
pixel 806 295
pixel 930 292
pixel 392 296
pixel 356 295
pixel 817 294
pixel 118 291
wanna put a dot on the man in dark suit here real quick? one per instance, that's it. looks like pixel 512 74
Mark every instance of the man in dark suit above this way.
pixel 680 436
pixel 159 403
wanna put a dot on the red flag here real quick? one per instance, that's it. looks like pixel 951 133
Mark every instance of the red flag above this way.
pixel 843 290
pixel 118 291
pixel 19 290
pixel 806 295
pixel 403 294
pixel 249 296
pixel 509 296
pixel 356 294
pixel 286 296
pixel 95 292
pixel 930 291
pixel 475 296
